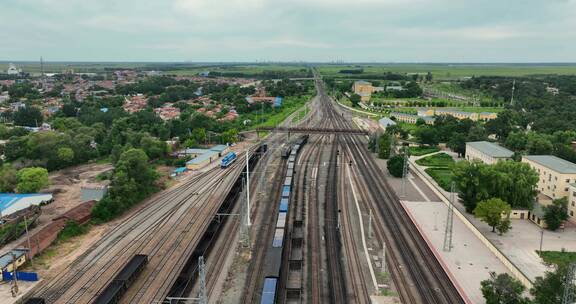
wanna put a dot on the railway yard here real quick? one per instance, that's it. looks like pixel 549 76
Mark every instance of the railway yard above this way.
pixel 305 239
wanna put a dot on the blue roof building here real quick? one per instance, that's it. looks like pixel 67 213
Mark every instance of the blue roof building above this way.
pixel 12 202
pixel 277 102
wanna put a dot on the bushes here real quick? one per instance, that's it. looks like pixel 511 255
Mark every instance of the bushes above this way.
pixel 132 181
pixel 395 165
pixel 71 229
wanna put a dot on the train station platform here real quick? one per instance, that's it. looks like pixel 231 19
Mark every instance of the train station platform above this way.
pixel 469 261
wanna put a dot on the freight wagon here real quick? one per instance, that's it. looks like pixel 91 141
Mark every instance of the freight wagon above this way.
pixel 116 289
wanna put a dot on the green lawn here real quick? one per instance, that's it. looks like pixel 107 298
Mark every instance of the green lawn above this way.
pixel 418 151
pixel 437 160
pixel 289 106
pixel 443 176
pixel 560 258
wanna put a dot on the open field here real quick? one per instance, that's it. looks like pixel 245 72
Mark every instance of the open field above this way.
pixel 187 69
pixel 436 160
pixel 451 71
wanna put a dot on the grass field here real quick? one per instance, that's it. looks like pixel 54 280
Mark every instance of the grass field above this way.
pixel 452 71
pixel 560 258
pixel 418 151
pixel 289 106
pixel 436 160
pixel 443 176
pixel 301 114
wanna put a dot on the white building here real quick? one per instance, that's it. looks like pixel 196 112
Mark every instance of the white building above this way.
pixel 487 152
pixel 12 70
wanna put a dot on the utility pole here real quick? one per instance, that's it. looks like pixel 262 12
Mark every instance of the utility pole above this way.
pixel 244 215
pixel 404 175
pixel 513 88
pixel 370 224
pixel 14 288
pixel 568 297
pixel 383 257
pixel 248 222
pixel 449 221
pixel 203 297
pixel 28 238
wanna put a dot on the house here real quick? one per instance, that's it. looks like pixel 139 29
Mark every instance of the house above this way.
pixel 167 112
pixel 572 201
pixel 487 152
pixel 15 256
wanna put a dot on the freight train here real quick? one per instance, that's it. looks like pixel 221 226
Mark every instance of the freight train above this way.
pixel 273 259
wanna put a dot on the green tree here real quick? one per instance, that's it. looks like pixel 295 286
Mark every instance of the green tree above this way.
pixel 30 180
pixel 28 116
pixel 556 213
pixel 8 180
pixel 384 146
pixel 469 183
pixel 230 136
pixel 491 211
pixel 457 143
pixel 199 134
pixel 504 226
pixel 355 99
pixel 429 76
pixel 550 288
pixel 537 144
pixel 66 155
pixel 427 135
pixel 395 165
pixel 503 289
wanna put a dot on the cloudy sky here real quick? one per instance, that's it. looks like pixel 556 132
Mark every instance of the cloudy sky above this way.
pixel 289 30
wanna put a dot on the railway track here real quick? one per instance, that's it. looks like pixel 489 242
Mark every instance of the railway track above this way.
pixel 411 256
pixel 148 231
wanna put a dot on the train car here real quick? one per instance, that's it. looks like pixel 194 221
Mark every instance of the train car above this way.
pixel 292 158
pixel 286 191
pixel 228 160
pixel 290 166
pixel 286 152
pixel 289 173
pixel 263 148
pixel 283 205
pixel 35 301
pixel 112 293
pixel 288 181
pixel 269 291
pixel 132 269
pixel 281 222
pixel 278 240
pixel 116 289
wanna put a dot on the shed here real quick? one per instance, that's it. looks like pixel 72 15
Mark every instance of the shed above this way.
pixel 12 202
pixel 6 260
pixel 202 160
pixel 220 149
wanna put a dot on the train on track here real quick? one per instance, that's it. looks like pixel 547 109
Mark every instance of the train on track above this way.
pixel 275 250
pixel 228 160
pixel 112 293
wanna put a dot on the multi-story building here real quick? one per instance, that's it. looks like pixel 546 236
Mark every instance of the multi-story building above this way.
pixel 365 89
pixel 411 119
pixel 487 152
pixel 457 114
pixel 556 174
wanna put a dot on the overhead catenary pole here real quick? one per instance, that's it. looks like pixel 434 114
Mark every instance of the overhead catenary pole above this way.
pixel 248 222
pixel 448 232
